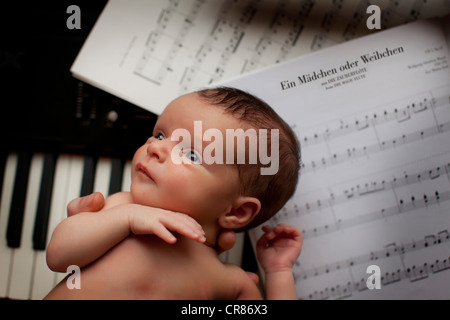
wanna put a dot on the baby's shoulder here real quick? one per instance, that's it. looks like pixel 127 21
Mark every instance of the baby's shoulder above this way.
pixel 117 199
pixel 244 286
pixel 236 272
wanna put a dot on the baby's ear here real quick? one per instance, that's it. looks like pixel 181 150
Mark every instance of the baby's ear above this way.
pixel 240 215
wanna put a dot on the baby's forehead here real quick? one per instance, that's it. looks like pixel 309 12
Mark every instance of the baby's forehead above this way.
pixel 193 106
pixel 188 101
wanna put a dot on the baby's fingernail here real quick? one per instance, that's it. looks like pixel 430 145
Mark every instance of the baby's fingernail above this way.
pixel 86 200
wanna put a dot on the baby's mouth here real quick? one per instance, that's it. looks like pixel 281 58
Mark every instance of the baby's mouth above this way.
pixel 143 169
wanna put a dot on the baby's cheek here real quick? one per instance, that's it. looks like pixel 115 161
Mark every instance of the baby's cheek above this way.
pixel 185 191
pixel 181 184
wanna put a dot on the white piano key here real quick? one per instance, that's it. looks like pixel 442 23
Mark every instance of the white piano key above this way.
pixel 23 257
pixel 126 180
pixel 44 278
pixel 73 191
pixel 5 251
pixel 67 184
pixel 102 173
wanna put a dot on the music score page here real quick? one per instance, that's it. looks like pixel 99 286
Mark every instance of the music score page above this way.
pixel 150 52
pixel 373 119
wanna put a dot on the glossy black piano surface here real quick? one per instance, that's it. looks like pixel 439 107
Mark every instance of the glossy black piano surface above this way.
pixel 43 106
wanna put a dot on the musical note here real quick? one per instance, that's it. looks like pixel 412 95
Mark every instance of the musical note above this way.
pixel 371 188
pixel 417 273
pixel 374 255
pixel 342 292
pixel 440 265
pixel 361 125
pixel 391 277
pixel 403 114
pixel 443 236
pixel 434 173
pixel 422 106
pixel 430 240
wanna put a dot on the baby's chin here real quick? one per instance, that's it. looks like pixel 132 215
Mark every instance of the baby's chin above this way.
pixel 153 201
pixel 145 200
pixel 142 198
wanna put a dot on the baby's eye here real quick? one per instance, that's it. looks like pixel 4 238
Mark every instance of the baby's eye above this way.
pixel 159 136
pixel 192 156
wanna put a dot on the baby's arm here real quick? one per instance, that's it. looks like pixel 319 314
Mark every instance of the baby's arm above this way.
pixel 277 250
pixel 82 238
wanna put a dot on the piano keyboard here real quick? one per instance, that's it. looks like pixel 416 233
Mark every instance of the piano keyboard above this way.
pixel 35 190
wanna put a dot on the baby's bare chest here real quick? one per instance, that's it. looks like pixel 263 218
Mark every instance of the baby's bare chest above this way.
pixel 144 267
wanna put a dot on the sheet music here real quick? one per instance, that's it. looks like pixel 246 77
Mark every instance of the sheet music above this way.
pixel 373 119
pixel 149 52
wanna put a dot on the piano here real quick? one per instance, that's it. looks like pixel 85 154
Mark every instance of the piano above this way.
pixel 61 139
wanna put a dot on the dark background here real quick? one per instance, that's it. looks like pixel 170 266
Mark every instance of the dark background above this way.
pixel 44 108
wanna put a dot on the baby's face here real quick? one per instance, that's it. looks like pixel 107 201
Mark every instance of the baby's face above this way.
pixel 191 186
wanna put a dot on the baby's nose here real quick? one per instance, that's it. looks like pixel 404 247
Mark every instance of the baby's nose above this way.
pixel 158 149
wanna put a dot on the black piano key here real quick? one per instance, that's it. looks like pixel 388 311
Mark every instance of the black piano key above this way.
pixel 115 182
pixel 16 212
pixel 248 256
pixel 3 156
pixel 44 202
pixel 87 182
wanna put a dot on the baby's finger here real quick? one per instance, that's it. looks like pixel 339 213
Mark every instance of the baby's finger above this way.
pixel 186 227
pixel 185 219
pixel 266 238
pixel 262 242
pixel 164 234
pixel 90 203
pixel 286 229
pixel 269 232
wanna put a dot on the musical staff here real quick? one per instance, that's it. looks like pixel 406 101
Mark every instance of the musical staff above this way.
pixel 378 117
pixel 168 40
pixel 346 20
pixel 411 273
pixel 366 151
pixel 281 36
pixel 421 111
pixel 354 192
pixel 405 207
pixel 212 57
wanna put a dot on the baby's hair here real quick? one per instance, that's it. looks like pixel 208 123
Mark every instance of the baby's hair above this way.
pixel 272 190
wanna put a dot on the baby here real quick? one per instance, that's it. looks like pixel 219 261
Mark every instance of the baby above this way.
pixel 156 242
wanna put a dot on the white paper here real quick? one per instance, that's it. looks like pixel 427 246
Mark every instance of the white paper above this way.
pixel 375 184
pixel 150 52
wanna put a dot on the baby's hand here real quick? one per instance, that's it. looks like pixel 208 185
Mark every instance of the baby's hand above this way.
pixel 279 247
pixel 150 220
